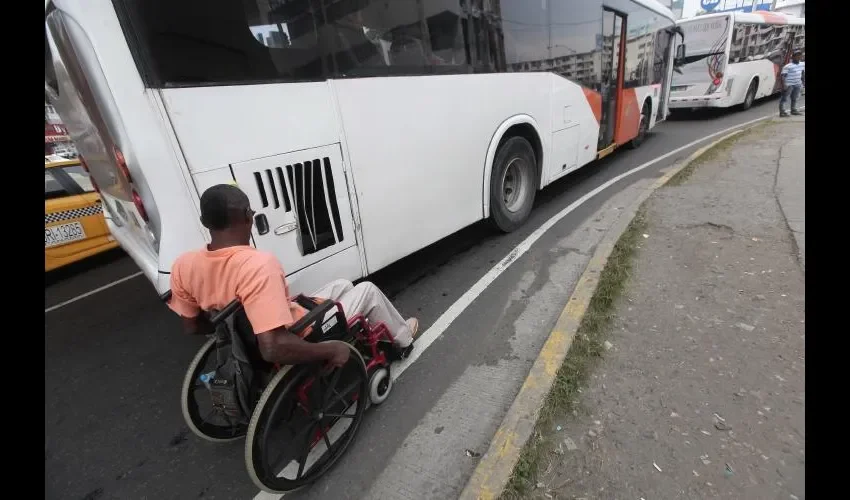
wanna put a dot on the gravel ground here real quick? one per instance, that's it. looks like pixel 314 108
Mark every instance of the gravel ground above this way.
pixel 701 393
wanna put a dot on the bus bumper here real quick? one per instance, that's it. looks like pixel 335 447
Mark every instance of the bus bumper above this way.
pixel 704 101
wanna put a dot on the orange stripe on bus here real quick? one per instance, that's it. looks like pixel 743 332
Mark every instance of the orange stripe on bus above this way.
pixel 594 98
pixel 628 117
pixel 773 18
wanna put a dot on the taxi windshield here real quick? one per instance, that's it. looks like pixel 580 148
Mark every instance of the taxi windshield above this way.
pixel 66 181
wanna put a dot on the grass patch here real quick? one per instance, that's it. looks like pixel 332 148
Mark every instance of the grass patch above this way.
pixel 585 351
pixel 713 153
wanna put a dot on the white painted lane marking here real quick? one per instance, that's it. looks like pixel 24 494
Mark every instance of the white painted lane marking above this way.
pixel 92 292
pixel 447 318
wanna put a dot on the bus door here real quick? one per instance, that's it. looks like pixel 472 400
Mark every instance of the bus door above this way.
pixel 613 26
pixel 301 207
pixel 670 40
pixel 781 57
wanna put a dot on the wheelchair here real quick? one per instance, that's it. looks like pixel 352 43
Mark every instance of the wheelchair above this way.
pixel 297 420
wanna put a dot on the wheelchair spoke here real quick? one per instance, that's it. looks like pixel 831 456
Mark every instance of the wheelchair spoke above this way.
pixel 325 437
pixel 305 452
pixel 339 397
pixel 285 451
pixel 210 414
pixel 340 415
pixel 332 386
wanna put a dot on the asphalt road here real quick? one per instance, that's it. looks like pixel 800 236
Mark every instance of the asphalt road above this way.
pixel 114 360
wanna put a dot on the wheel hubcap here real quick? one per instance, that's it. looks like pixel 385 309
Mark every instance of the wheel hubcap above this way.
pixel 514 184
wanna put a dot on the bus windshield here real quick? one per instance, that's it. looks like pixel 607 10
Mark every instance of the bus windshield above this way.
pixel 706 41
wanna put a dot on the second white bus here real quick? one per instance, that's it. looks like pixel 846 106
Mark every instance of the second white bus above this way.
pixel 362 131
pixel 734 58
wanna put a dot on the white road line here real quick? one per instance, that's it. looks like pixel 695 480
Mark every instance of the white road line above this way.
pixel 447 318
pixel 92 292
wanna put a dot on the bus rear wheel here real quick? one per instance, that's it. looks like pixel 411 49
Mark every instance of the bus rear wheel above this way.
pixel 751 96
pixel 643 127
pixel 513 184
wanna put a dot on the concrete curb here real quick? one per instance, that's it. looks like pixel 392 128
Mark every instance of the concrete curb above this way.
pixel 494 470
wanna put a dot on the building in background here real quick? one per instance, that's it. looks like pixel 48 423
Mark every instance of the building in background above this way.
pixel 677 6
pixel 56 138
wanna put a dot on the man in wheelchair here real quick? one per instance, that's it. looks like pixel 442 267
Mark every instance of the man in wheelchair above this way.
pixel 230 268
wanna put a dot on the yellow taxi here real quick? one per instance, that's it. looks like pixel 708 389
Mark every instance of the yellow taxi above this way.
pixel 74 227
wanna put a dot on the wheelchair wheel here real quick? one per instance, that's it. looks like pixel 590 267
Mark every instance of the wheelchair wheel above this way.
pixel 204 420
pixel 380 385
pixel 303 423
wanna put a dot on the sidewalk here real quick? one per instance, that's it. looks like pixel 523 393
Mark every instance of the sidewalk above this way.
pixel 701 392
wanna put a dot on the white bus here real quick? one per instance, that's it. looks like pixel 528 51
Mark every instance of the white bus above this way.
pixel 734 58
pixel 361 130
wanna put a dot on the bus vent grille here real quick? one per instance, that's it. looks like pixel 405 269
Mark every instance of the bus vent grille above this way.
pixel 308 189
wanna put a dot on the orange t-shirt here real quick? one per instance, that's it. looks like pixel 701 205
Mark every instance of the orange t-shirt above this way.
pixel 206 280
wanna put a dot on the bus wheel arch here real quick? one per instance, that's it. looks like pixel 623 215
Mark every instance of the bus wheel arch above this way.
pixel 754 87
pixel 522 126
pixel 513 172
pixel 644 124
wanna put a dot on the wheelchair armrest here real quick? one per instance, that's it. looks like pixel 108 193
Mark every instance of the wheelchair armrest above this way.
pixel 165 296
pixel 314 318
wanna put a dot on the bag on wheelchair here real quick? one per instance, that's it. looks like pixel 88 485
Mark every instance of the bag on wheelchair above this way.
pixel 232 384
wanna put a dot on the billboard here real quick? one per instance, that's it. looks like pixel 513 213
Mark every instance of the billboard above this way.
pixel 715 6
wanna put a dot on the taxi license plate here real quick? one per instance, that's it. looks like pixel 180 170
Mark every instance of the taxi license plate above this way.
pixel 63 233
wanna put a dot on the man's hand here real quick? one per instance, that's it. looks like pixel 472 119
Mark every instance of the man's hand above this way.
pixel 199 325
pixel 339 354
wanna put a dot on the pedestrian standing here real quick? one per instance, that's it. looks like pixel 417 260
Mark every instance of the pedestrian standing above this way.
pixel 793 75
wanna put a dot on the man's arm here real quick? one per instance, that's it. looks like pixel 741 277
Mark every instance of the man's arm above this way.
pixel 262 291
pixel 185 305
pixel 281 346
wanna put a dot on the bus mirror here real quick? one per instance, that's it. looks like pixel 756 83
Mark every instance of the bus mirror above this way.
pixel 680 55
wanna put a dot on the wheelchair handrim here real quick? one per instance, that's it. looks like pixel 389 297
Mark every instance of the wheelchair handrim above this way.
pixel 264 473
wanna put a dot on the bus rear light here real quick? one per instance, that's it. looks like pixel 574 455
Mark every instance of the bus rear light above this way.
pixel 122 164
pixel 718 78
pixel 137 200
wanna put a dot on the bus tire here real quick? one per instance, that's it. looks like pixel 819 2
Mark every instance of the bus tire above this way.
pixel 750 96
pixel 643 128
pixel 513 184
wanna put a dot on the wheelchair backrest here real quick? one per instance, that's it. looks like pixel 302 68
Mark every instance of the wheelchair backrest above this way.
pixel 239 326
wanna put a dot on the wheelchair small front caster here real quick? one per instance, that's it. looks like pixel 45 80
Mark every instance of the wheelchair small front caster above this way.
pixel 380 385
